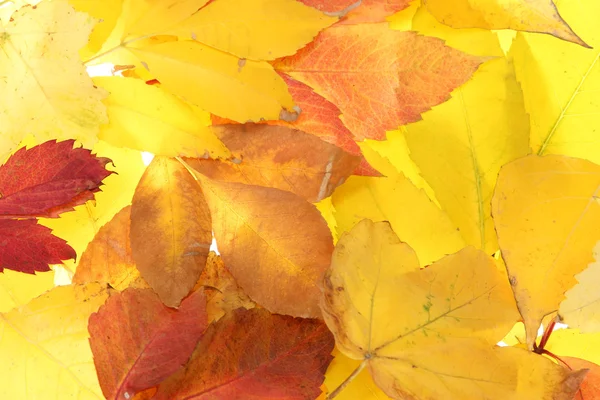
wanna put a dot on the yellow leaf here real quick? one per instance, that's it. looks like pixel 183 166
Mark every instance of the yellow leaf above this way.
pixel 570 342
pixel 147 118
pixel 521 15
pixel 45 349
pixel 17 288
pixel 255 29
pixel 170 229
pixel 240 90
pixel 581 308
pixel 411 213
pixel 560 83
pixel 106 13
pixel 430 333
pixel 45 89
pixel 546 214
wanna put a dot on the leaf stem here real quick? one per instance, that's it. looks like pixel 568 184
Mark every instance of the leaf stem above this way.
pixel 122 44
pixel 348 380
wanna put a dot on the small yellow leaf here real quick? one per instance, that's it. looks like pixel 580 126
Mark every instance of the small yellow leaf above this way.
pixel 147 118
pixel 17 288
pixel 45 89
pixel 240 90
pixel 581 308
pixel 45 349
pixel 255 29
pixel 521 15
pixel 546 214
pixel 415 218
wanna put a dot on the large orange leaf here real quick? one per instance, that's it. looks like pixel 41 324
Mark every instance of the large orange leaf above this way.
pixel 108 257
pixel 274 243
pixel 546 213
pixel 252 354
pixel 279 157
pixel 137 341
pixel 378 77
pixel 356 11
pixel 170 229
pixel 590 387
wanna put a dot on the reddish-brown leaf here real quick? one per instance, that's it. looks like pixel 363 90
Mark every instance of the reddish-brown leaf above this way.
pixel 279 157
pixel 108 257
pixel 378 77
pixel 590 387
pixel 357 12
pixel 27 247
pixel 170 229
pixel 251 355
pixel 275 244
pixel 137 341
pixel 49 179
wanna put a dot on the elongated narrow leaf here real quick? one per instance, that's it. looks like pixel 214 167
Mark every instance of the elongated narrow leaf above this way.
pixel 252 354
pixel 170 229
pixel 137 341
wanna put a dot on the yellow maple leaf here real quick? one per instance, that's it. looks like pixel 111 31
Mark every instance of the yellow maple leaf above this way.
pixel 522 15
pixel 148 118
pixel 45 89
pixel 53 362
pixel 430 333
pixel 559 82
pixel 546 214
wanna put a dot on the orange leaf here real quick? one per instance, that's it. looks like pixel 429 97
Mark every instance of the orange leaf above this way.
pixel 279 157
pixel 108 257
pixel 137 341
pixel 251 354
pixel 590 387
pixel 170 229
pixel 378 77
pixel 357 12
pixel 274 243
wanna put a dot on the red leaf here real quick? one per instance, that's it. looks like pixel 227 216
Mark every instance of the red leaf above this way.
pixel 27 247
pixel 252 354
pixel 49 179
pixel 137 341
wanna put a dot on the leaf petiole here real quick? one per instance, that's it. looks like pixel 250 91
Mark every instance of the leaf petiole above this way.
pixel 347 381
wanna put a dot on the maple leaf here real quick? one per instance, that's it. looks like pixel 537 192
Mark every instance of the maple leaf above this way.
pixel 522 15
pixel 137 341
pixel 170 229
pixel 52 330
pixel 254 354
pixel 355 12
pixel 273 242
pixel 46 91
pixel 421 353
pixel 546 214
pixel 49 179
pixel 379 78
pixel 279 157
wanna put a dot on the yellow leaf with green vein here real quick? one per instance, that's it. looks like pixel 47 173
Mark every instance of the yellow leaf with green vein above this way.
pixel 560 84
pixel 218 82
pixel 45 89
pixel 45 349
pixel 414 217
pixel 17 288
pixel 255 29
pixel 148 118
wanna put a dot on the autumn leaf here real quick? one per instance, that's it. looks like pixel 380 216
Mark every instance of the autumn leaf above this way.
pixel 137 341
pixel 254 354
pixel 222 291
pixel 108 257
pixel 106 13
pixel 581 308
pixel 254 29
pixel 558 81
pixel 459 305
pixel 49 179
pixel 546 214
pixel 46 91
pixel 150 119
pixel 46 342
pixel 279 157
pixel 379 78
pixel 590 387
pixel 273 242
pixel 170 229
pixel 17 289
pixel 356 12
pixel 521 15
